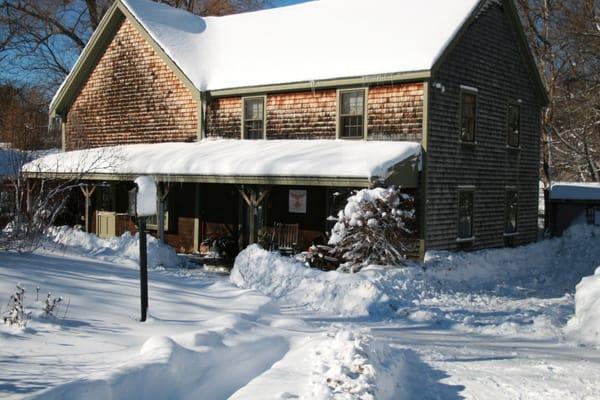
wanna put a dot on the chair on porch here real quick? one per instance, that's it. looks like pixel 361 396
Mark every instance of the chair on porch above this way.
pixel 285 238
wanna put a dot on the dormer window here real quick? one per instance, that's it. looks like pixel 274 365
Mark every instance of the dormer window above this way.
pixel 352 110
pixel 254 118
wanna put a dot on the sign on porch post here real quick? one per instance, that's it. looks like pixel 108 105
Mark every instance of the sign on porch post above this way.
pixel 142 204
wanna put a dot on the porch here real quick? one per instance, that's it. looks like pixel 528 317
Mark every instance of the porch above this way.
pixel 230 190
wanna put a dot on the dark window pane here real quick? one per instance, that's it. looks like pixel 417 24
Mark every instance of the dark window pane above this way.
pixel 512 206
pixel 254 118
pixel 106 198
pixel 514 125
pixel 465 214
pixel 254 130
pixel 468 117
pixel 352 114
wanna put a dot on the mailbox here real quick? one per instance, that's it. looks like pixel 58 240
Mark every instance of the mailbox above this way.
pixel 131 210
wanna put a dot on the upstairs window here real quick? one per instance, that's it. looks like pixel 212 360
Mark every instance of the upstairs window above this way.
pixel 465 214
pixel 514 125
pixel 254 118
pixel 352 114
pixel 468 115
pixel 512 206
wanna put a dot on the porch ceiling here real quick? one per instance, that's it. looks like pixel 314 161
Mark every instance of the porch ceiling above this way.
pixel 354 163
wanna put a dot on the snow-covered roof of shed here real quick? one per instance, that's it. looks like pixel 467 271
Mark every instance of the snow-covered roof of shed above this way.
pixel 230 157
pixel 575 191
pixel 317 40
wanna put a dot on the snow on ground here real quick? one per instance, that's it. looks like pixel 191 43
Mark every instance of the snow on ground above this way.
pixel 585 324
pixel 200 329
pixel 521 291
pixel 478 325
pixel 123 249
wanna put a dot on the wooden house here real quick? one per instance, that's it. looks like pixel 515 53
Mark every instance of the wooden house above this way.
pixel 276 115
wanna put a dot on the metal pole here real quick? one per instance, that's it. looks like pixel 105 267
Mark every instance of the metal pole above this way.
pixel 143 267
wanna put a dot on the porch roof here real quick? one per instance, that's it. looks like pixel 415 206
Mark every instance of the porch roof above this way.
pixel 306 162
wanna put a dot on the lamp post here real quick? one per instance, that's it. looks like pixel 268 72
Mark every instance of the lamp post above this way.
pixel 142 204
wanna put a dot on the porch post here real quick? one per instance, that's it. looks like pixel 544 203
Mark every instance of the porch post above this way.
pixel 197 238
pixel 87 193
pixel 163 192
pixel 253 201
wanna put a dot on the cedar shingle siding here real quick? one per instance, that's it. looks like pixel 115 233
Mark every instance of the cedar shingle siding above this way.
pixel 301 115
pixel 132 96
pixel 489 59
pixel 395 112
pixel 224 118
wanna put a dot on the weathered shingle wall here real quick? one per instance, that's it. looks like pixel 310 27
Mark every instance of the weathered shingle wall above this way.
pixel 132 96
pixel 489 59
pixel 395 112
pixel 224 117
pixel 301 115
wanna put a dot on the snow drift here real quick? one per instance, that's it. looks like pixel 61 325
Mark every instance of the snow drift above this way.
pixel 550 268
pixel 123 249
pixel 585 325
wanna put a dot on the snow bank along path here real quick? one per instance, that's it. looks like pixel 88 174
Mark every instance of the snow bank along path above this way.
pixel 585 324
pixel 124 249
pixel 378 291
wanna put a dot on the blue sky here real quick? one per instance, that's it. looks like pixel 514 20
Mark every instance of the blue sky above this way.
pixel 286 2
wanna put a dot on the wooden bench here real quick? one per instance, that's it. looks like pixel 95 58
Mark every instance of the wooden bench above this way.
pixel 285 238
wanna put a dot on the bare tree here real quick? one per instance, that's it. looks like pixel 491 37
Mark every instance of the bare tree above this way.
pixel 565 38
pixel 40 194
pixel 24 118
pixel 40 40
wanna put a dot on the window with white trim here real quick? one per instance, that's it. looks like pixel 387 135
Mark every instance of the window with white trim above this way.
pixel 352 113
pixel 254 118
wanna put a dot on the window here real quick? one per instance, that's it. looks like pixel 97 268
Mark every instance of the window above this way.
pixel 352 114
pixel 593 215
pixel 107 200
pixel 254 118
pixel 512 206
pixel 468 115
pixel 465 214
pixel 152 221
pixel 514 125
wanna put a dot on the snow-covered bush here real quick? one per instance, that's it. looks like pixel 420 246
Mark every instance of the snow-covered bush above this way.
pixel 15 314
pixel 585 325
pixel 375 227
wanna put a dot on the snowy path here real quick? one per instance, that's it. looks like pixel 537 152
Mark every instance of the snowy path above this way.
pixel 217 328
pixel 454 364
pixel 207 338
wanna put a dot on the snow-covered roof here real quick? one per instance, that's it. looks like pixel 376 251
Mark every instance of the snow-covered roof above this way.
pixel 317 40
pixel 11 159
pixel 230 157
pixel 575 191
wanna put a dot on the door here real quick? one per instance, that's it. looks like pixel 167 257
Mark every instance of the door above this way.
pixel 106 224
